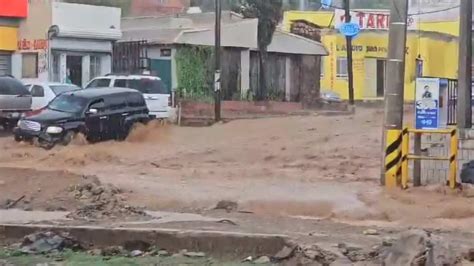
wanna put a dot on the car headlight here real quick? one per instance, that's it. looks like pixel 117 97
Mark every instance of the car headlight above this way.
pixel 54 130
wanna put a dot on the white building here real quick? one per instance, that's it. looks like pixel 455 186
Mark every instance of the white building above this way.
pixel 66 42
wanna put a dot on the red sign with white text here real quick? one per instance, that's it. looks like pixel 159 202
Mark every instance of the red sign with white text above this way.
pixel 14 8
pixel 370 19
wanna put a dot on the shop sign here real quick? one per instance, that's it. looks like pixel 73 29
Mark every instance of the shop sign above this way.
pixel 14 8
pixel 369 20
pixel 349 29
pixel 26 45
pixel 427 103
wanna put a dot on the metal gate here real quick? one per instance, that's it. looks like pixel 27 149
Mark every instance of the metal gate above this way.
pixel 452 101
pixel 130 57
pixel 5 62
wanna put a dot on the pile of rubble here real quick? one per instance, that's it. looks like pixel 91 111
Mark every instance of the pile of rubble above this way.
pixel 98 201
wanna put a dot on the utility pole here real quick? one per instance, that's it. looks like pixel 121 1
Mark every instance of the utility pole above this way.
pixel 394 95
pixel 350 73
pixel 464 111
pixel 217 56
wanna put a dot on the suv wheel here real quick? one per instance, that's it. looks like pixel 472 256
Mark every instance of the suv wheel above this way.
pixel 68 137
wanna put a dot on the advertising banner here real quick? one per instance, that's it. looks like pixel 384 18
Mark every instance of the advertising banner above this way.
pixel 14 8
pixel 427 103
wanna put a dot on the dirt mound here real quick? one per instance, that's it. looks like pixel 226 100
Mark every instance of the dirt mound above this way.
pixel 100 201
pixel 30 189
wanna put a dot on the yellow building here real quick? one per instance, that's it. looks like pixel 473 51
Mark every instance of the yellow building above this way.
pixel 431 51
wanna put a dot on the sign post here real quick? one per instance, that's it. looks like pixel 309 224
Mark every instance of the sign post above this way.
pixel 427 103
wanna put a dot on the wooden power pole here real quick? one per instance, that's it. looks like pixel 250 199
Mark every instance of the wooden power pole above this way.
pixel 217 56
pixel 464 109
pixel 394 95
pixel 350 73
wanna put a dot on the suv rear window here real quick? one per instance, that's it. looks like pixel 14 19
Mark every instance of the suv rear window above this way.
pixel 99 83
pixel 10 86
pixel 144 85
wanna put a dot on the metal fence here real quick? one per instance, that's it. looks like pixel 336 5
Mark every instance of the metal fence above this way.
pixel 452 101
pixel 130 57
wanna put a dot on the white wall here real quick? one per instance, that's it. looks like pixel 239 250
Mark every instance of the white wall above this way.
pixel 86 18
pixel 244 72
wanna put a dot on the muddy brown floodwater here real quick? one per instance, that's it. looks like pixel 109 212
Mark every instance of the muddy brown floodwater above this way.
pixel 303 166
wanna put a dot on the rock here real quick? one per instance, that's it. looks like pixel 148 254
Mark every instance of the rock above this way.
pixel 285 253
pixel 416 247
pixel 95 252
pixel 97 190
pixel 370 232
pixel 136 253
pixel 317 254
pixel 249 258
pixel 46 242
pixel 195 254
pixel 262 260
pixel 469 256
pixel 163 253
pixel 388 241
pixel 227 205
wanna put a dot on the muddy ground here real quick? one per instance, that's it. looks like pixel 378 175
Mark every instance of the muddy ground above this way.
pixel 303 167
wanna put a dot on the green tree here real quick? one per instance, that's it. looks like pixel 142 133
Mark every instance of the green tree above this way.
pixel 269 14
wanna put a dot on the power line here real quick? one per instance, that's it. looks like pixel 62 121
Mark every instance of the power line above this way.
pixel 413 14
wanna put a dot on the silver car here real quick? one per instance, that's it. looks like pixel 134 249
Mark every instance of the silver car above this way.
pixel 15 99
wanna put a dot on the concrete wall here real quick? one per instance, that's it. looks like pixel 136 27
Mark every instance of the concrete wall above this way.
pixel 33 38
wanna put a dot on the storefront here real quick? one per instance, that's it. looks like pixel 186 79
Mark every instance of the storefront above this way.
pixel 64 42
pixel 423 56
pixel 12 12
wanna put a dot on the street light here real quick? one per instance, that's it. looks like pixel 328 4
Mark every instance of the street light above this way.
pixel 217 56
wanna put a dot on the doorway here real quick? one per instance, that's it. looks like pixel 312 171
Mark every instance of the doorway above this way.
pixel 381 67
pixel 374 78
pixel 74 69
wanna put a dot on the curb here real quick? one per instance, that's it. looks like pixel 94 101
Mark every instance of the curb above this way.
pixel 218 244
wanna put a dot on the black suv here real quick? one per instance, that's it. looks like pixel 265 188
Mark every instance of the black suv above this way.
pixel 99 114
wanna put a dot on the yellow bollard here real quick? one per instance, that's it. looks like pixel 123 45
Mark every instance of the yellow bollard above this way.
pixel 393 156
pixel 405 152
pixel 453 159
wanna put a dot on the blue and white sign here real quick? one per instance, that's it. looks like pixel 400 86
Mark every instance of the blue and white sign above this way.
pixel 349 29
pixel 326 4
pixel 427 103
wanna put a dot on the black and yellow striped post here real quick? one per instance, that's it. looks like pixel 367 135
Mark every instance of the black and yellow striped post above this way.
pixel 453 159
pixel 405 152
pixel 393 156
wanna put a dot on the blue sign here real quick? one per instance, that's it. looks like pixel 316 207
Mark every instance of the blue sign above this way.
pixel 427 103
pixel 326 4
pixel 349 29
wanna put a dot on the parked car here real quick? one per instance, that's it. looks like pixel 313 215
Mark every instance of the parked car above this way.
pixel 44 92
pixel 156 93
pixel 99 114
pixel 15 99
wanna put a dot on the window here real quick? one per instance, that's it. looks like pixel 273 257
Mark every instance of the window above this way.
pixel 68 104
pixel 99 83
pixel 116 102
pixel 120 83
pixel 29 65
pixel 37 91
pixel 148 86
pixel 99 105
pixel 341 71
pixel 95 66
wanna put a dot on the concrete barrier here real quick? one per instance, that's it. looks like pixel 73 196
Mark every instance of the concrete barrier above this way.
pixel 229 245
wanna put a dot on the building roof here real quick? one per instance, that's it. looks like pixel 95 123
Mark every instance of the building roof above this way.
pixel 198 29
